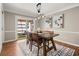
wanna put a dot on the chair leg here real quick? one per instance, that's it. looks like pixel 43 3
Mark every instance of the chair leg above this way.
pixel 30 45
pixel 27 42
pixel 48 43
pixel 38 50
pixel 53 44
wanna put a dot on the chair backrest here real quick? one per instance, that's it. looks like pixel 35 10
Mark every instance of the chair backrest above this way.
pixel 34 36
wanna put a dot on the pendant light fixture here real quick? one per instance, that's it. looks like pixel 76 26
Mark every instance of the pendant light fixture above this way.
pixel 38 6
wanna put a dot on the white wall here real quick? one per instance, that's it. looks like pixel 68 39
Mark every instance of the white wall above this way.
pixel 43 22
pixel 70 32
pixel 9 24
pixel 0 27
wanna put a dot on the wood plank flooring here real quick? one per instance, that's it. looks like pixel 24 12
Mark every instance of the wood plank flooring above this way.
pixel 12 49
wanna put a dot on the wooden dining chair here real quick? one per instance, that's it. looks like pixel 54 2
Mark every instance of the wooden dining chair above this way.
pixel 35 40
pixel 28 34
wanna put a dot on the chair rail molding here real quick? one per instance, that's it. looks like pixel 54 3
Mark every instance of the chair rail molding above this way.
pixel 68 32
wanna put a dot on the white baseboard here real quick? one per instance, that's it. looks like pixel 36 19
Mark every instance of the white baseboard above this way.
pixel 67 43
pixel 67 32
pixel 9 41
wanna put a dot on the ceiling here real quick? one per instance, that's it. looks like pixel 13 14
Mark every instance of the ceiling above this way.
pixel 29 9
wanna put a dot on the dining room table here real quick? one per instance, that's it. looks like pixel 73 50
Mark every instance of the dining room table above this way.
pixel 45 37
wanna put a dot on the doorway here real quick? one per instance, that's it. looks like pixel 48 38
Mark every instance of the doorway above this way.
pixel 23 25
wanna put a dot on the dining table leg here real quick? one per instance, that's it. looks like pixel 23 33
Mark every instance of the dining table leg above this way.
pixel 44 47
pixel 53 44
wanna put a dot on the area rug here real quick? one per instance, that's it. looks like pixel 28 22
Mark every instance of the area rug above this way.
pixel 61 50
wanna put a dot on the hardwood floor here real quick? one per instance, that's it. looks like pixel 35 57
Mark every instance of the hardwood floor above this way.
pixel 12 49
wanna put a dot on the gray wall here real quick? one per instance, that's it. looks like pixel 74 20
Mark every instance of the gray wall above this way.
pixel 9 25
pixel 0 27
pixel 70 32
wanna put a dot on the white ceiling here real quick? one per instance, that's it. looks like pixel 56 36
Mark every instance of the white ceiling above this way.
pixel 29 9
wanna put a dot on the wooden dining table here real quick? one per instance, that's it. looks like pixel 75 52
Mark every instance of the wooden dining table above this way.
pixel 45 38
